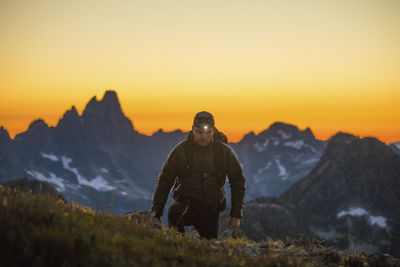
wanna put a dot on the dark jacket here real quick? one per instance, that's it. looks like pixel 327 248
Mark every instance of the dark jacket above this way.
pixel 204 187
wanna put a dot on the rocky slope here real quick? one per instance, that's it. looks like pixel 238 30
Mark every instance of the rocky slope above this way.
pixel 351 198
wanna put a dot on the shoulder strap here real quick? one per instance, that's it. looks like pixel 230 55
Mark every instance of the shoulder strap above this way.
pixel 219 158
pixel 218 154
pixel 189 157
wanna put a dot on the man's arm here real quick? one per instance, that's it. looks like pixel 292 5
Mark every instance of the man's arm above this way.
pixel 237 184
pixel 165 181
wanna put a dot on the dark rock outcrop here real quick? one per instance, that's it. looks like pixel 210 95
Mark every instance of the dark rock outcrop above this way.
pixel 351 198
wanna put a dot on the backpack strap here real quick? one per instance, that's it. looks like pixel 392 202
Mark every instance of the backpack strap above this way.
pixel 219 160
pixel 218 154
pixel 189 157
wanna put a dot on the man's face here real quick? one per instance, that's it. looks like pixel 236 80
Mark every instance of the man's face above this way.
pixel 203 134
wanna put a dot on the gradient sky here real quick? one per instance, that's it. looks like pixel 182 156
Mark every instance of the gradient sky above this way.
pixel 328 65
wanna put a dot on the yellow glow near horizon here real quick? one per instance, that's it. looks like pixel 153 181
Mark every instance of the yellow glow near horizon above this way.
pixel 331 66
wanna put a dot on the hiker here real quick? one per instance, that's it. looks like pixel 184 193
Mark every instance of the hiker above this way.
pixel 197 167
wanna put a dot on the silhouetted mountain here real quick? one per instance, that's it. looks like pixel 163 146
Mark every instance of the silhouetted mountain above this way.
pixel 5 140
pixel 351 198
pixel 100 156
pixel 276 158
pixel 97 156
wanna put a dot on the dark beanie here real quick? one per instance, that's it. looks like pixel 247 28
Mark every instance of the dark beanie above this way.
pixel 203 117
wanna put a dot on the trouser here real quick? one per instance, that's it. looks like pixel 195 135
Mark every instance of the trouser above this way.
pixel 205 219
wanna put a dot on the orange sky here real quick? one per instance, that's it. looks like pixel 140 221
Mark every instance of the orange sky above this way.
pixel 328 66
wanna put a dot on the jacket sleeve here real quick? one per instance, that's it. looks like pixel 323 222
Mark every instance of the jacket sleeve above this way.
pixel 237 183
pixel 166 179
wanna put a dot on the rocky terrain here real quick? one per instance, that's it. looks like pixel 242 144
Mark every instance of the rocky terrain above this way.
pixel 351 199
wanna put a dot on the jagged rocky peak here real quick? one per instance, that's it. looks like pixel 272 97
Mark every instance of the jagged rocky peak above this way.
pixel 4 133
pixel 37 125
pixel 248 137
pixel 309 133
pixel 106 114
pixel 4 139
pixel 69 118
pixel 108 105
pixel 343 138
pixel 92 106
pixel 339 142
pixel 162 133
pixel 71 114
pixel 280 130
pixel 349 164
pixel 345 141
pixel 283 127
pixel 110 100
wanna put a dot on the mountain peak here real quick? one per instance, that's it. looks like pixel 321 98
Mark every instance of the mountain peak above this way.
pixel 110 95
pixel 110 101
pixel 343 138
pixel 4 132
pixel 71 113
pixel 281 126
pixel 309 133
pixel 160 131
pixel 70 116
pixel 38 124
pixel 106 114
pixel 109 104
pixel 4 136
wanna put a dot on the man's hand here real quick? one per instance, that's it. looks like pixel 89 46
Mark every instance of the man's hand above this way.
pixel 234 223
pixel 153 215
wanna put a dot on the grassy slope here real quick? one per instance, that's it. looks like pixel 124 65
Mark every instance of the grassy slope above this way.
pixel 37 230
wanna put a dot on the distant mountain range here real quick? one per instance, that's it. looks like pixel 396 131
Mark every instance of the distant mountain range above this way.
pixel 276 158
pixel 350 198
pixel 98 156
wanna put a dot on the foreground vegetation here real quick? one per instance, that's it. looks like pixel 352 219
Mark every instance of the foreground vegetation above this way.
pixel 38 230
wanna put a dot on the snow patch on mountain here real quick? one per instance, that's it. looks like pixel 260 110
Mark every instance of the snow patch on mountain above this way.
pixel 353 212
pixel 261 171
pixel 284 135
pixel 378 220
pixel 311 161
pixel 282 170
pixel 53 179
pixel 397 145
pixel 51 157
pixel 311 147
pixel 97 183
pixel 295 144
pixel 261 147
pixel 104 170
pixel 275 141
